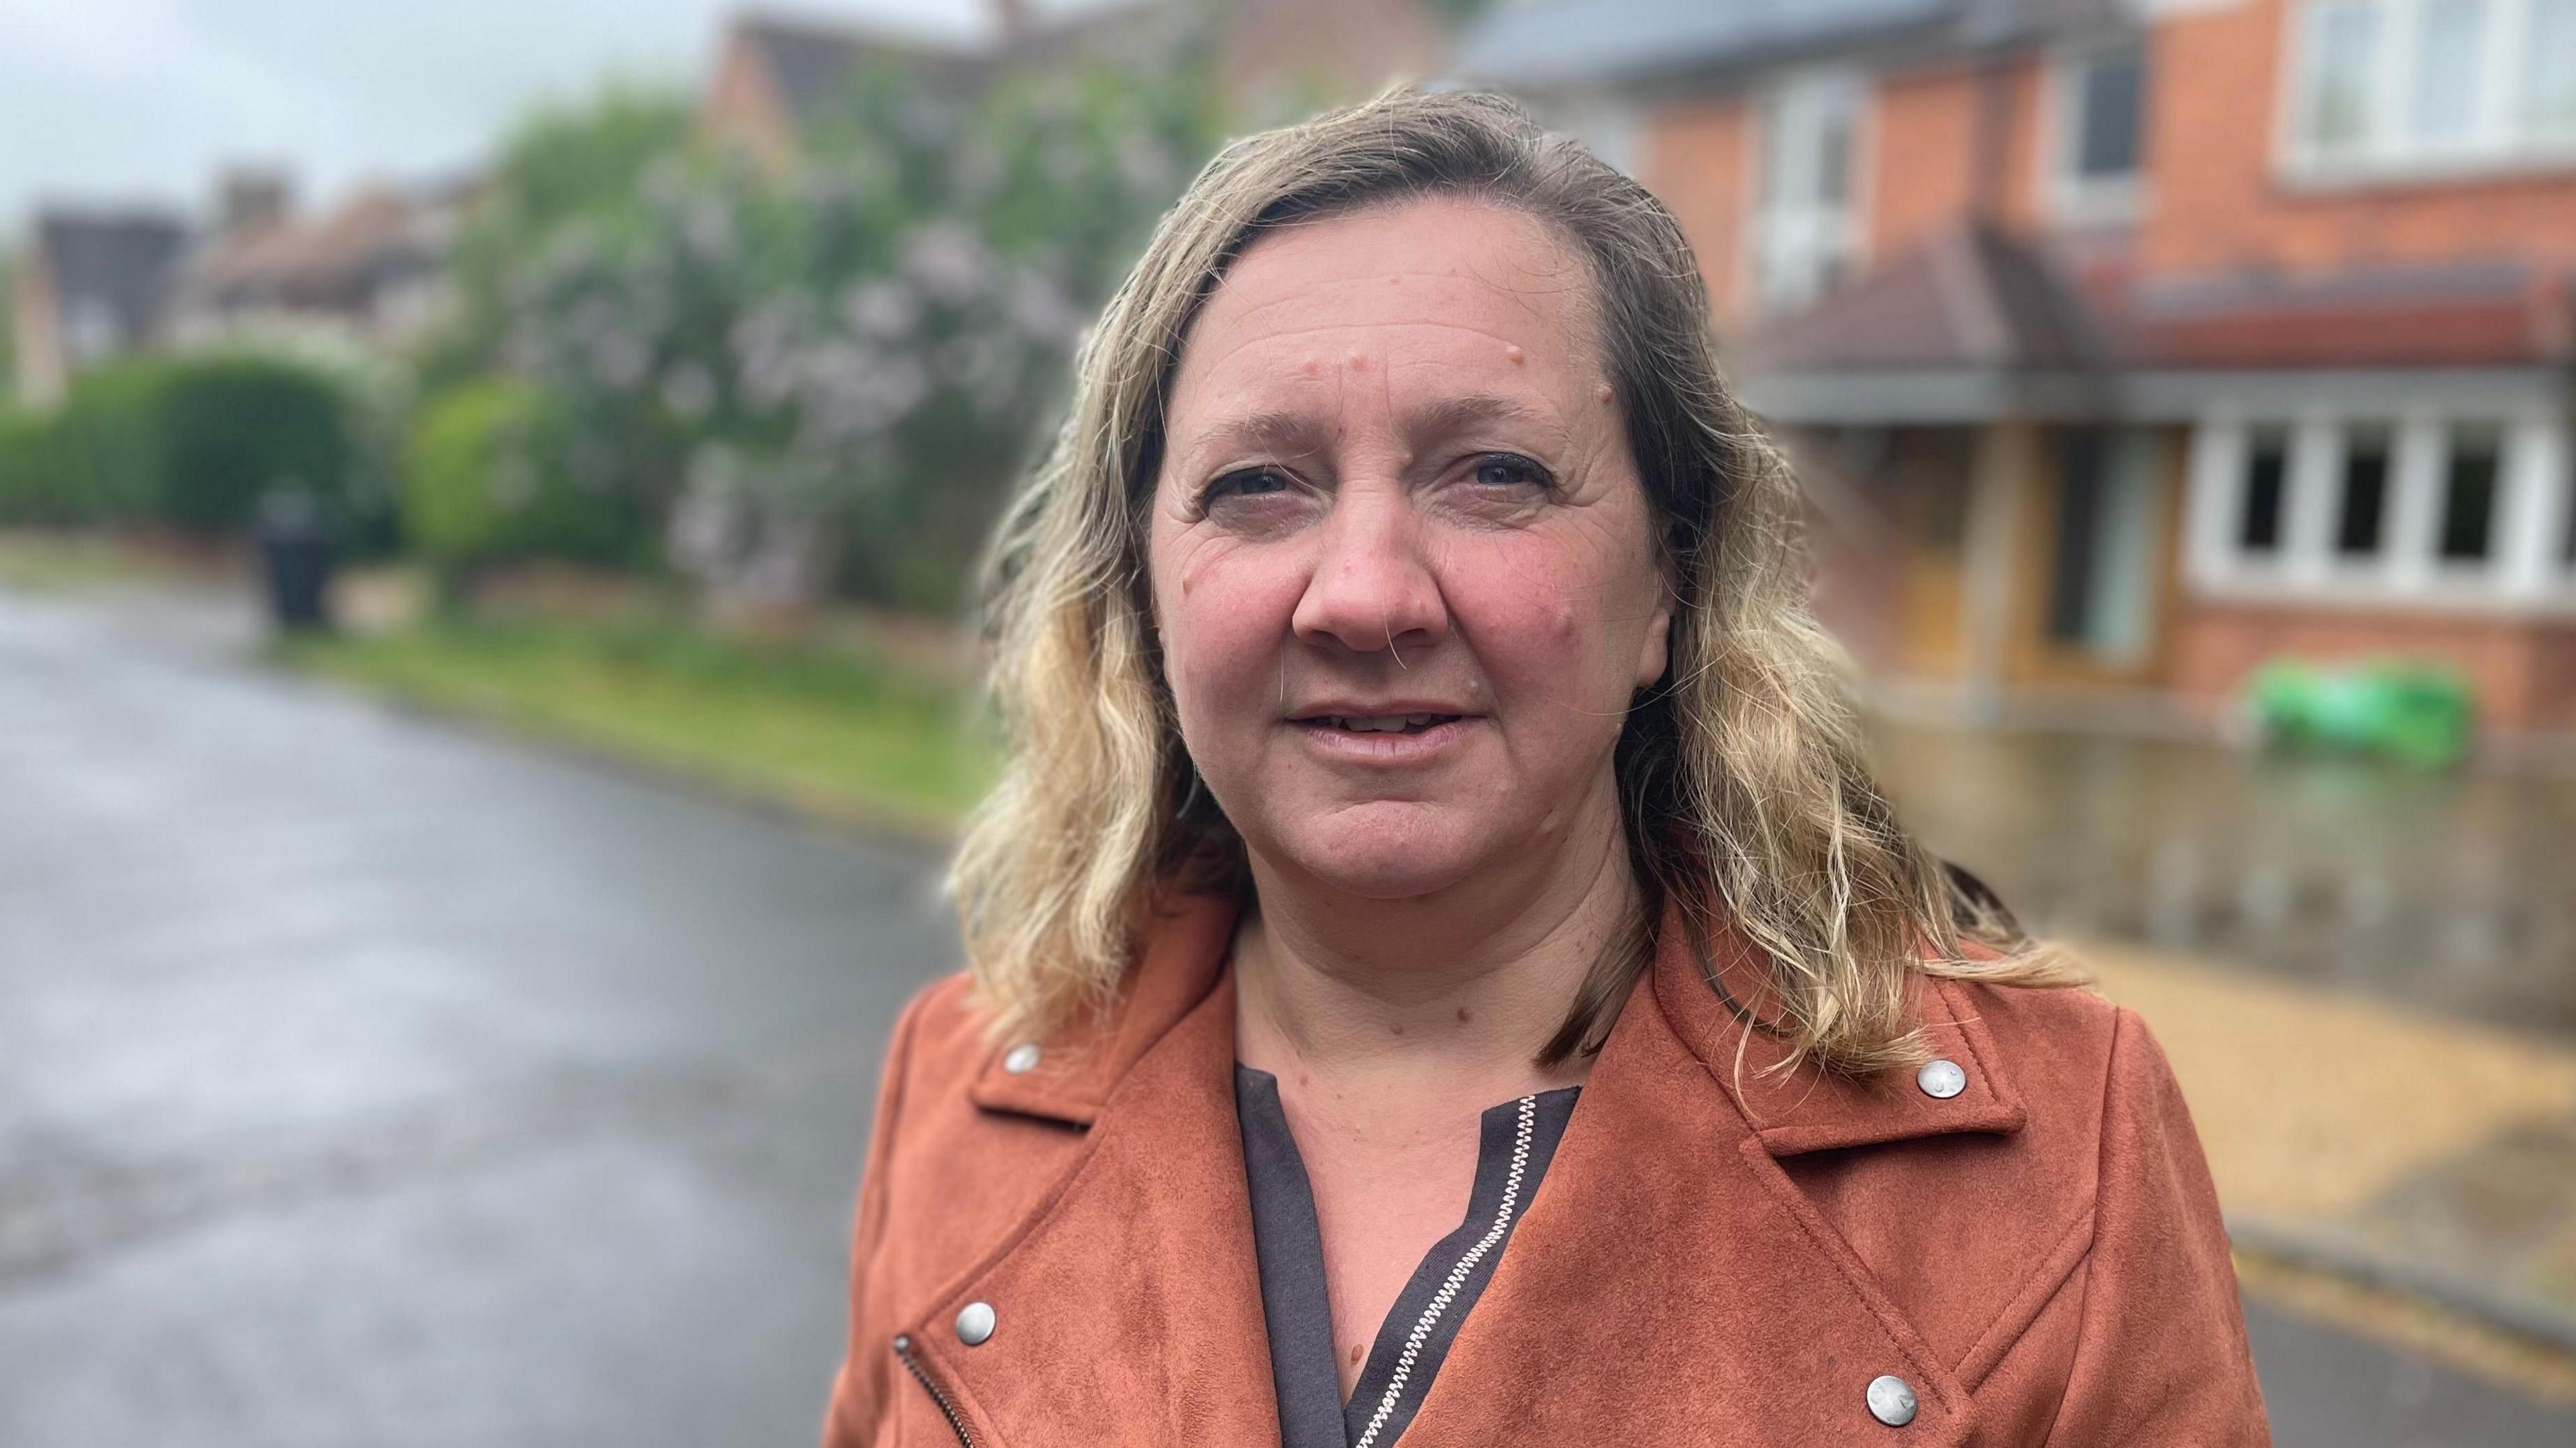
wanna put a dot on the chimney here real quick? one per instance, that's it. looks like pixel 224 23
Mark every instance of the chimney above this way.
pixel 1013 18
pixel 250 200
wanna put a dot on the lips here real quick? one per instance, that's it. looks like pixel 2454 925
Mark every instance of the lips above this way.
pixel 1413 723
pixel 1383 733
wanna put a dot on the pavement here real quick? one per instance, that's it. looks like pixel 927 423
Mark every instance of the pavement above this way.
pixel 2430 1155
pixel 364 1080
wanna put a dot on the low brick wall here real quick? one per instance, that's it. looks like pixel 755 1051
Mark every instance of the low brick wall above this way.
pixel 2524 670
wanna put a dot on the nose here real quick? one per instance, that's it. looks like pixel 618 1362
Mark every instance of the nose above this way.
pixel 1372 590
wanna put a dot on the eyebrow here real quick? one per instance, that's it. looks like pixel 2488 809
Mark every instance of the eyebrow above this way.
pixel 1458 413
pixel 1299 432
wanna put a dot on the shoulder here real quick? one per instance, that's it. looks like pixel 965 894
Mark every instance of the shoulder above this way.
pixel 940 1032
pixel 946 1176
pixel 941 1057
pixel 2144 1275
pixel 2078 1060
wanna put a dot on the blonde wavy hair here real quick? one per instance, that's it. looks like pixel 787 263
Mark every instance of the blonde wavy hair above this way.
pixel 1741 773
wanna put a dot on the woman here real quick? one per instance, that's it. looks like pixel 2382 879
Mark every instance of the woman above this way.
pixel 1441 971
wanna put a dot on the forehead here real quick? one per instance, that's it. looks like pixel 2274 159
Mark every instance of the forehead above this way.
pixel 1426 289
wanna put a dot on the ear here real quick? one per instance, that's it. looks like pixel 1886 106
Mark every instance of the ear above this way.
pixel 1655 654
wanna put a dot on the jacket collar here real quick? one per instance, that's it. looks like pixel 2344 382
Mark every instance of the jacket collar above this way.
pixel 1184 954
pixel 1133 1293
pixel 1713 996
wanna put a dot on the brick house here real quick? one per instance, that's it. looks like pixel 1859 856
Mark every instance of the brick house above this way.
pixel 88 287
pixel 365 273
pixel 1274 58
pixel 2126 345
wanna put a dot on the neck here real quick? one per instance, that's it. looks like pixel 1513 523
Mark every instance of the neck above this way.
pixel 1451 994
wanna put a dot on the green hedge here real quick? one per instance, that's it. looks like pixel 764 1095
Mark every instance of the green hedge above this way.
pixel 485 479
pixel 32 479
pixel 189 443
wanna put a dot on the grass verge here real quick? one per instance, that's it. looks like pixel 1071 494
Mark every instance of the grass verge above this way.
pixel 52 561
pixel 832 731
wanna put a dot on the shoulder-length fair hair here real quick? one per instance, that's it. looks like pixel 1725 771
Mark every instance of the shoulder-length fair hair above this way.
pixel 1741 774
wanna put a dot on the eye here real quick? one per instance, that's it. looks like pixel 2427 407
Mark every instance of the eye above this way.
pixel 1248 483
pixel 1509 470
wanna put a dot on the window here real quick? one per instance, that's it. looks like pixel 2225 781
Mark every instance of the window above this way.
pixel 2449 40
pixel 2425 84
pixel 2469 493
pixel 2343 68
pixel 2267 477
pixel 2099 100
pixel 2419 503
pixel 2361 516
pixel 1807 232
pixel 2106 138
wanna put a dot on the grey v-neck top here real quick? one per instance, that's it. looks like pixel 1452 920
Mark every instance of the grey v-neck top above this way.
pixel 1519 1139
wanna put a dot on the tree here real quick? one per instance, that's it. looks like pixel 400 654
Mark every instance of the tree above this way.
pixel 824 381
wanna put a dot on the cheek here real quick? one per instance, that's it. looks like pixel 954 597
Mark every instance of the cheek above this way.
pixel 1550 617
pixel 1223 611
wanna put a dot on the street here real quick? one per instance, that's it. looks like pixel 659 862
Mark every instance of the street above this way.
pixel 364 1080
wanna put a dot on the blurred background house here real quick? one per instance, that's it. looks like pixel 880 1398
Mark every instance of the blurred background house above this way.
pixel 366 273
pixel 91 287
pixel 86 287
pixel 2129 345
pixel 775 73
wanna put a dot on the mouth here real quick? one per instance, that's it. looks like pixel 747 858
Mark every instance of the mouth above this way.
pixel 1418 723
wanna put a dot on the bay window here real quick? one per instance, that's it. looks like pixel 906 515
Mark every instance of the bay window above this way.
pixel 2431 85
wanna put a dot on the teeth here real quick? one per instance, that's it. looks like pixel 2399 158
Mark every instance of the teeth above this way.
pixel 1384 724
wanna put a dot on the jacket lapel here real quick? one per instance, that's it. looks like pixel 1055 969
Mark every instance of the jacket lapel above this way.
pixel 1127 1306
pixel 1670 1279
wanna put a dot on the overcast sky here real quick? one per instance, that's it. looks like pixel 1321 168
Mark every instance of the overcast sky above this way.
pixel 119 101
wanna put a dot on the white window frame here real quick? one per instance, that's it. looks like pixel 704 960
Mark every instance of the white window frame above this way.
pixel 2073 198
pixel 1767 227
pixel 2495 142
pixel 2525 567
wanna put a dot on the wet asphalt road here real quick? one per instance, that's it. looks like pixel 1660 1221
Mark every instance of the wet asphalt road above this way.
pixel 369 1082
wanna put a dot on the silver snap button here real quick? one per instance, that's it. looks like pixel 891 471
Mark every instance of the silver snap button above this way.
pixel 1942 1079
pixel 975 1323
pixel 1891 1398
pixel 1022 1059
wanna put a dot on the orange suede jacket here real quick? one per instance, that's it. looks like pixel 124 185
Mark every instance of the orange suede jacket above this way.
pixel 1054 1246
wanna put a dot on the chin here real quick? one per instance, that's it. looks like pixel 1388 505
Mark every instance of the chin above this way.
pixel 1384 851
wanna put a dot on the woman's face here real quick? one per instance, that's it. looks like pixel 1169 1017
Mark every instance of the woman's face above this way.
pixel 1400 560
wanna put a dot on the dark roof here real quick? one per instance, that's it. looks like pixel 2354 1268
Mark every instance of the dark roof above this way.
pixel 1975 325
pixel 1555 42
pixel 121 262
pixel 1614 39
pixel 1971 297
pixel 2486 313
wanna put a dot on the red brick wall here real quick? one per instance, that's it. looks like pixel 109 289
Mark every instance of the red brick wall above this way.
pixel 1345 48
pixel 1926 163
pixel 2524 672
pixel 1919 166
pixel 2215 204
pixel 1693 156
pixel 743 109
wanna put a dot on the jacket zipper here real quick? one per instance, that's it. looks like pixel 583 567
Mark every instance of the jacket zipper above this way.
pixel 921 1375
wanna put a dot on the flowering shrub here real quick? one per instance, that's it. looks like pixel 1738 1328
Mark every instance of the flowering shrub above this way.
pixel 824 380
